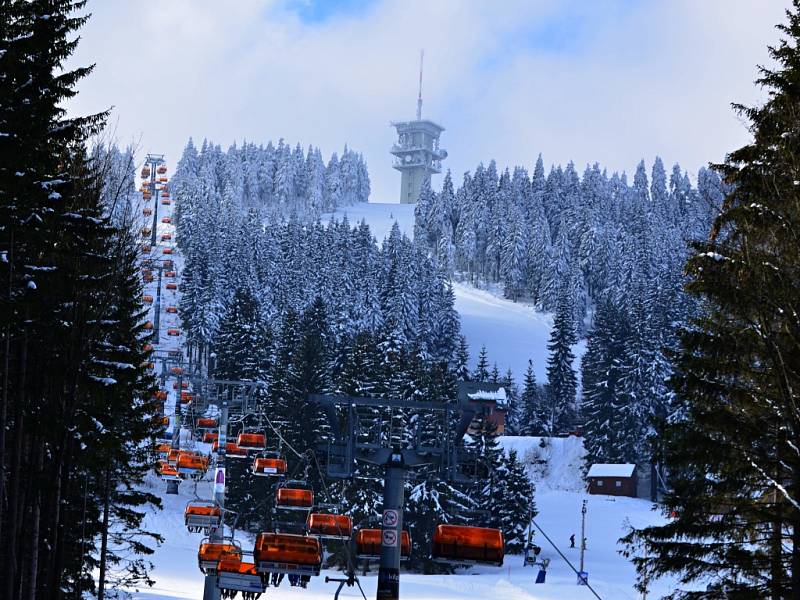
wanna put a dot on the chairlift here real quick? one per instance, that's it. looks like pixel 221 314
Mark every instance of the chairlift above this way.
pixel 146 231
pixel 169 273
pixel 172 286
pixel 164 193
pixel 209 437
pixel 166 237
pixel 186 397
pixel 173 332
pixel 150 366
pixel 252 441
pixel 161 169
pixel 231 450
pixel 294 498
pixel 147 348
pixel 147 212
pixel 210 553
pixel 162 179
pixel 201 515
pixel 145 172
pixel 148 325
pixel 167 250
pixel 184 385
pixel 269 467
pixel 147 299
pixel 206 423
pixel 192 465
pixel 166 220
pixel 176 371
pixel 235 576
pixel 166 202
pixel 147 278
pixel 287 553
pixel 145 248
pixel 463 545
pixel 368 544
pixel 168 263
pixel 160 395
pixel 172 310
pixel 167 472
pixel 328 526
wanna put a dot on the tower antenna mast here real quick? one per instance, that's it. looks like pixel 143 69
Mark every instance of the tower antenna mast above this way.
pixel 419 98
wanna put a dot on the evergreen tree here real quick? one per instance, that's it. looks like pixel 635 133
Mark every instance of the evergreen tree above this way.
pixel 481 372
pixel 607 434
pixel 733 461
pixel 535 418
pixel 561 378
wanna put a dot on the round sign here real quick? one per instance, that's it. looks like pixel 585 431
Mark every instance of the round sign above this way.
pixel 389 537
pixel 390 518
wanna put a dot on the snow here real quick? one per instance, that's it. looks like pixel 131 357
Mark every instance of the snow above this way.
pixel 499 395
pixel 611 470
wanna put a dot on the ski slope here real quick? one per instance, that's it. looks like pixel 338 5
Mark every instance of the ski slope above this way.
pixel 512 332
pixel 559 496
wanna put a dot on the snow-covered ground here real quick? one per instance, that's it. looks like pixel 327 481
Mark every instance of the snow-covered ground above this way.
pixel 559 496
pixel 513 333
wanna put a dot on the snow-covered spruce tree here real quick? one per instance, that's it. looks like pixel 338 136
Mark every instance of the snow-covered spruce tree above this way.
pixel 513 409
pixel 125 414
pixel 733 460
pixel 561 379
pixel 606 430
pixel 515 505
pixel 535 415
pixel 481 372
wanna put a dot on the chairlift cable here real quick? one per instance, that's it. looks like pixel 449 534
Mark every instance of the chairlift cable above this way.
pixel 566 560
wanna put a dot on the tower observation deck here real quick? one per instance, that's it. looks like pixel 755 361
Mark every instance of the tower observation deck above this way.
pixel 417 152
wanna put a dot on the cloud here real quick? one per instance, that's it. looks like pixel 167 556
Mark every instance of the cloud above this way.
pixel 608 82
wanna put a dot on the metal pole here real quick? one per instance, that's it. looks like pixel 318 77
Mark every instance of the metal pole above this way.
pixel 392 525
pixel 153 164
pixel 217 535
pixel 583 532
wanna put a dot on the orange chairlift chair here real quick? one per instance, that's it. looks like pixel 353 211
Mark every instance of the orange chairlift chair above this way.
pixel 268 467
pixel 459 544
pixel 192 465
pixel 330 527
pixel 294 498
pixel 235 576
pixel 287 553
pixel 252 441
pixel 200 515
pixel 210 553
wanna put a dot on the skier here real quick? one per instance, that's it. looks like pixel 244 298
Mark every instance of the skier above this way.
pixel 572 541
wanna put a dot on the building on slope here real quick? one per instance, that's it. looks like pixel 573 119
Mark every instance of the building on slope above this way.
pixel 490 402
pixel 417 152
pixel 612 479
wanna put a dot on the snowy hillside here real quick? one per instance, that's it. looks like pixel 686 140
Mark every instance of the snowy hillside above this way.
pixel 558 500
pixel 513 333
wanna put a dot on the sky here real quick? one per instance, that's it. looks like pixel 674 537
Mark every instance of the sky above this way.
pixel 611 81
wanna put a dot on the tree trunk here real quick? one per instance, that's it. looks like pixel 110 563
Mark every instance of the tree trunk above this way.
pixel 14 500
pixel 101 585
pixel 36 513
